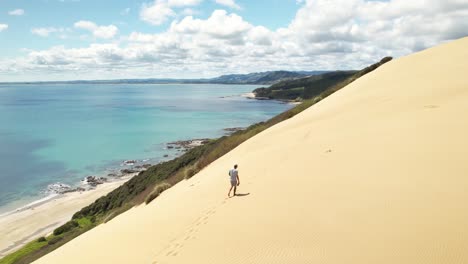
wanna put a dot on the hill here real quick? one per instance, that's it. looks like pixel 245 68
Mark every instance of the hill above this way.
pixel 268 77
pixel 374 173
pixel 308 87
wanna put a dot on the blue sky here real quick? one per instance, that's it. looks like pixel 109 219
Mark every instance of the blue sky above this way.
pixel 103 39
pixel 124 14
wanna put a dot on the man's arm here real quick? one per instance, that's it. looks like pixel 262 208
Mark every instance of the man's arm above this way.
pixel 238 181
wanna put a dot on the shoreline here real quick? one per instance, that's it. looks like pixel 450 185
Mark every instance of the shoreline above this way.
pixel 21 225
pixel 57 190
pixel 40 218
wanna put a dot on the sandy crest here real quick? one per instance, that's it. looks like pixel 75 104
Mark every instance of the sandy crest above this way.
pixel 376 173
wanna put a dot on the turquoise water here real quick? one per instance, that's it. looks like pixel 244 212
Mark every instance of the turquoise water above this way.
pixel 63 132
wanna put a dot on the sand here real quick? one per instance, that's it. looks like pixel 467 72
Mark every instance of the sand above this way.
pixel 376 173
pixel 19 228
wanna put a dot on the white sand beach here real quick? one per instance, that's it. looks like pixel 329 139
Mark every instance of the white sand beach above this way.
pixel 375 173
pixel 18 228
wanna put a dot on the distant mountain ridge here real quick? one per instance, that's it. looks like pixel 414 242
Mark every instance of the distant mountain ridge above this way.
pixel 268 77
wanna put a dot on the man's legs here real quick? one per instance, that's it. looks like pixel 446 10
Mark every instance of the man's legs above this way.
pixel 234 190
pixel 229 193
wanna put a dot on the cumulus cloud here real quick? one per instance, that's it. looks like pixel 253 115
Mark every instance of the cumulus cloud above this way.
pixel 220 25
pixel 228 3
pixel 16 12
pixel 159 11
pixel 3 27
pixel 323 35
pixel 104 32
pixel 156 13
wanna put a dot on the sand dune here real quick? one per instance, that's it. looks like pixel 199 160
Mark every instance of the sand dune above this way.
pixel 376 173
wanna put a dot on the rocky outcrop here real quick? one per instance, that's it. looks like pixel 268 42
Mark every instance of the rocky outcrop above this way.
pixel 128 171
pixel 184 145
pixel 129 162
pixel 93 181
pixel 62 188
pixel 231 130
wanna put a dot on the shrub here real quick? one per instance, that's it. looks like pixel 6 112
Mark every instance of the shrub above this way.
pixel 41 239
pixel 54 240
pixel 66 227
pixel 157 191
pixel 317 99
pixel 190 171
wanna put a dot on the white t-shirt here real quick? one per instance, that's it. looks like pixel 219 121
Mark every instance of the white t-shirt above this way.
pixel 233 173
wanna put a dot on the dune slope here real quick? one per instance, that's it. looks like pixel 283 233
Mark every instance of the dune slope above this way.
pixel 376 173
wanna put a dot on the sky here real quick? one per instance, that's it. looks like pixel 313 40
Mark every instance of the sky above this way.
pixel 47 40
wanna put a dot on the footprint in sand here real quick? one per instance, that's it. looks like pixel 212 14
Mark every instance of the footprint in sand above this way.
pixel 173 247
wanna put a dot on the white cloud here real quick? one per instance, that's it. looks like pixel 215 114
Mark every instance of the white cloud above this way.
pixel 43 32
pixel 104 32
pixel 219 25
pixel 228 3
pixel 156 13
pixel 159 11
pixel 377 28
pixel 323 35
pixel 181 3
pixel 3 27
pixel 16 12
pixel 46 31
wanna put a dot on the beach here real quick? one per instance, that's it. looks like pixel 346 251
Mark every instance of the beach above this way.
pixel 22 226
pixel 375 173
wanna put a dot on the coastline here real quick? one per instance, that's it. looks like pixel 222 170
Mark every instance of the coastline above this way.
pixel 40 218
pixel 21 225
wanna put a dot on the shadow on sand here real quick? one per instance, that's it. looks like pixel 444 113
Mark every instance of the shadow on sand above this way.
pixel 242 194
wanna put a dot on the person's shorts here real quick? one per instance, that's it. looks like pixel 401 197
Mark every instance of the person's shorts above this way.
pixel 233 183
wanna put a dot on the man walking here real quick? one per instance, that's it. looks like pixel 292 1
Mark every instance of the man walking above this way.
pixel 234 176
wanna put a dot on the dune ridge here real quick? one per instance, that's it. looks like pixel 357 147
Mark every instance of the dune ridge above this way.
pixel 375 173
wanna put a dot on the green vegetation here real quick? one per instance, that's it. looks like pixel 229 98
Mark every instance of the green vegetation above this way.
pixel 66 227
pixel 26 250
pixel 147 185
pixel 44 245
pixel 309 87
pixel 157 191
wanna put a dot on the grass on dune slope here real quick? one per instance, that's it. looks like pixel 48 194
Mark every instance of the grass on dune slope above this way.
pixel 147 185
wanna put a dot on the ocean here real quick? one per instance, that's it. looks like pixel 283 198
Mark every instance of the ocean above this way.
pixel 53 133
